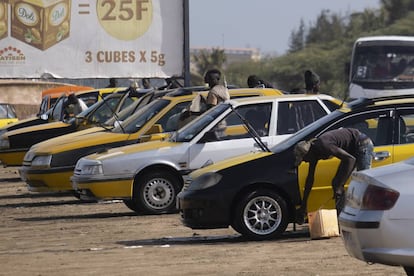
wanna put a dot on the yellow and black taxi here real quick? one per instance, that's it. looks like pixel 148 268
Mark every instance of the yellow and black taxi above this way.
pixel 7 114
pixel 15 143
pixel 148 176
pixel 48 166
pixel 258 194
pixel 54 113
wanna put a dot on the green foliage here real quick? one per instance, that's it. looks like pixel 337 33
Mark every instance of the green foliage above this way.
pixel 324 47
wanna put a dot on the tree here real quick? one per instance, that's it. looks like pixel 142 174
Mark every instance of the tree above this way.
pixel 208 59
pixel 297 38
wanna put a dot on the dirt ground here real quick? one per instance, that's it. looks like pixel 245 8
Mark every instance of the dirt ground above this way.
pixel 52 234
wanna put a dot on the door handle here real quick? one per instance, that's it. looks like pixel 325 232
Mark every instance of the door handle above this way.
pixel 381 155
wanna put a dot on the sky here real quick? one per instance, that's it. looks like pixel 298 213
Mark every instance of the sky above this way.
pixel 263 24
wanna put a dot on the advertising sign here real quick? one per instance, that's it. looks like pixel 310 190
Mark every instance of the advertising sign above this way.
pixel 91 38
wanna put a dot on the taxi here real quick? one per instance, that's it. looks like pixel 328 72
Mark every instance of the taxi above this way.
pixel 15 143
pixel 48 166
pixel 148 176
pixel 7 114
pixel 257 194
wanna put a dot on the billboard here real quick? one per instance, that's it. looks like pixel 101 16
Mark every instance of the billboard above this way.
pixel 91 38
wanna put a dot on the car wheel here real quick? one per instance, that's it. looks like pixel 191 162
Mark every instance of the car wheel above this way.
pixel 155 193
pixel 130 203
pixel 260 215
pixel 409 270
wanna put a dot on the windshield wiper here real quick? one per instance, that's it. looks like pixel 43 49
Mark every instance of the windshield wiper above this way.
pixel 252 131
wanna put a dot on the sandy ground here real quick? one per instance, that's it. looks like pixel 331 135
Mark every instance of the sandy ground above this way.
pixel 52 234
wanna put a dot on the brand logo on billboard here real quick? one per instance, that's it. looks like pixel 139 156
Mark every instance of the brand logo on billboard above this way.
pixel 27 14
pixel 12 55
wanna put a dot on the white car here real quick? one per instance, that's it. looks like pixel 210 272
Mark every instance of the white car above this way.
pixel 377 222
pixel 148 176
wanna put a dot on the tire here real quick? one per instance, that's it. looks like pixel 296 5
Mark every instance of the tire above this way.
pixel 155 193
pixel 409 270
pixel 261 215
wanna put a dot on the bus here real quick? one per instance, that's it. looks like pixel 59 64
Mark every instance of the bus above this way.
pixel 382 66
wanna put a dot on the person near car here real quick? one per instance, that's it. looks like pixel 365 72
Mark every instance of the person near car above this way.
pixel 146 83
pixel 217 92
pixel 72 106
pixel 312 82
pixel 352 147
pixel 254 81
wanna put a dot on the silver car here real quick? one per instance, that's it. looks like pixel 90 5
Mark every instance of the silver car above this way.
pixel 377 222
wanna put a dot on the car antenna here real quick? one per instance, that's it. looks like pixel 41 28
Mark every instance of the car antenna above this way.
pixel 251 131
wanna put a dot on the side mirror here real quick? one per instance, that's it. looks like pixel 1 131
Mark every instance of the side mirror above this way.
pixel 44 117
pixel 154 137
pixel 156 128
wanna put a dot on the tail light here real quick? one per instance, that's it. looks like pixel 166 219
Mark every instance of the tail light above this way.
pixel 379 198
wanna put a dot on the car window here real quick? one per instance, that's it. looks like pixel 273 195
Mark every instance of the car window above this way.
pixel 89 98
pixel 232 126
pixel 378 125
pixel 169 122
pixel 405 120
pixel 137 120
pixel 295 115
pixel 105 110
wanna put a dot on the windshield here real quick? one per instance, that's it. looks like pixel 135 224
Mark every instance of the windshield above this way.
pixel 7 111
pixel 383 63
pixel 134 122
pixel 188 132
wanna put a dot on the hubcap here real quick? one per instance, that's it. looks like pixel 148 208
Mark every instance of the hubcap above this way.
pixel 262 215
pixel 159 193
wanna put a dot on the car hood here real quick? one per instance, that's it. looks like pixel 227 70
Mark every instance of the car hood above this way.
pixel 230 162
pixel 29 129
pixel 158 146
pixel 21 123
pixel 64 139
pixel 82 140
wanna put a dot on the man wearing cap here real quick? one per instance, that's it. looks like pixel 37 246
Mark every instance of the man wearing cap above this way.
pixel 349 145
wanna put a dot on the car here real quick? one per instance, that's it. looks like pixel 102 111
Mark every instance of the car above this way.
pixel 147 176
pixel 14 144
pixel 258 194
pixel 377 220
pixel 7 114
pixel 54 113
pixel 48 166
pixel 51 95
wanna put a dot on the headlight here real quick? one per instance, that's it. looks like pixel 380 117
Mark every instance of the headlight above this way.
pixel 205 181
pixel 91 169
pixel 4 144
pixel 42 161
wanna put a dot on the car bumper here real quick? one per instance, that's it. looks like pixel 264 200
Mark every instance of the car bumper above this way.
pixel 12 157
pixel 198 211
pixel 363 239
pixel 47 180
pixel 103 189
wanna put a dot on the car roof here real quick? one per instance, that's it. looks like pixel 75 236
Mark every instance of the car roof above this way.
pixel 283 97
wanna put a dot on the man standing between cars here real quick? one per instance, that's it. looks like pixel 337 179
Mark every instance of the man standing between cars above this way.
pixel 349 145
pixel 312 82
pixel 218 93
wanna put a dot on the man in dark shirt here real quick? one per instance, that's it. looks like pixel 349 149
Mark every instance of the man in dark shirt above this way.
pixel 349 145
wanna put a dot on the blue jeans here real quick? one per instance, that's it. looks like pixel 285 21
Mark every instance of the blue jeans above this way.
pixel 364 153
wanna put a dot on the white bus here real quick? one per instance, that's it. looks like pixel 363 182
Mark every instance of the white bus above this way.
pixel 382 66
